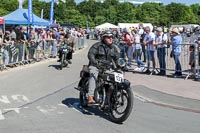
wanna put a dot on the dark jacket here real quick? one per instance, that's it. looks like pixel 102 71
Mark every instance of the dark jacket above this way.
pixel 100 51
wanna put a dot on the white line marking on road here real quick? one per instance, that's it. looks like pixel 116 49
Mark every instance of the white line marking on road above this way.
pixel 42 110
pixel 13 109
pixel 20 98
pixel 60 113
pixel 4 99
pixel 137 96
pixel 1 116
pixel 76 107
pixel 61 104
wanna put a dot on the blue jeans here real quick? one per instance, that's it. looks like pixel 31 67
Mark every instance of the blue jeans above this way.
pixel 6 57
pixel 138 53
pixel 82 41
pixel 47 45
pixel 54 48
pixel 122 50
pixel 20 47
pixel 161 52
pixel 178 70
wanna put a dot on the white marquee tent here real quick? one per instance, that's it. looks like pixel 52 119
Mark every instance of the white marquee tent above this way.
pixel 106 26
pixel 128 25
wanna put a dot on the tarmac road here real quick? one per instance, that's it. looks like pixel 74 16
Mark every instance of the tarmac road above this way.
pixel 39 98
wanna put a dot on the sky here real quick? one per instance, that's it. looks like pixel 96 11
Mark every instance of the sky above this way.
pixel 165 2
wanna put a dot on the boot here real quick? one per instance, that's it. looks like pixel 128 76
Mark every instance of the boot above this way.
pixel 69 61
pixel 65 62
pixel 91 100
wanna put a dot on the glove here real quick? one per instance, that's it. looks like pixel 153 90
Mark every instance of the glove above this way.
pixel 105 63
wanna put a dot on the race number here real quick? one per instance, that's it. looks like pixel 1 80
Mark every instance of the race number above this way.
pixel 64 50
pixel 119 77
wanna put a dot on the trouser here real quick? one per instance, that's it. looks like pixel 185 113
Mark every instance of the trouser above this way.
pixel 31 52
pixel 5 57
pixel 178 69
pixel 150 57
pixel 20 47
pixel 54 48
pixel 92 80
pixel 47 45
pixel 122 51
pixel 144 52
pixel 69 55
pixel 161 52
pixel 130 53
pixel 138 53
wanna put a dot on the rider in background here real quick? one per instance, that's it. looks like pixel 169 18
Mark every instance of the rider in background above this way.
pixel 104 50
pixel 69 41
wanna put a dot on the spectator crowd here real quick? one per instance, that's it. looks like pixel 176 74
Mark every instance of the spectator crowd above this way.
pixel 21 45
pixel 152 45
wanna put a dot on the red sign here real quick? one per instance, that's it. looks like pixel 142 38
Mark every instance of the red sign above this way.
pixel 2 21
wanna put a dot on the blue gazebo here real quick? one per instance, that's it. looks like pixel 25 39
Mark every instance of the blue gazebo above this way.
pixel 19 17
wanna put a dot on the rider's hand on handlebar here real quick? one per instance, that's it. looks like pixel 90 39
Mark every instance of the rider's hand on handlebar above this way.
pixel 104 62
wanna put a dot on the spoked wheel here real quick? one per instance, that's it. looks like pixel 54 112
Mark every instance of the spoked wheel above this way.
pixel 121 105
pixel 62 61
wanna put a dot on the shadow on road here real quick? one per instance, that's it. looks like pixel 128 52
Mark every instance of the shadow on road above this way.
pixel 91 110
pixel 57 67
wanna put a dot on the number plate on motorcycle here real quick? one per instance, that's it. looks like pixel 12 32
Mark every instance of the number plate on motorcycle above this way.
pixel 119 77
pixel 65 50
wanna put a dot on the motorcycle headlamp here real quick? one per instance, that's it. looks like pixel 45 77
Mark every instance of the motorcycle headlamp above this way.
pixel 121 62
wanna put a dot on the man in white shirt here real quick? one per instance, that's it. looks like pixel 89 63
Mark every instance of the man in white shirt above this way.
pixel 149 41
pixel 160 42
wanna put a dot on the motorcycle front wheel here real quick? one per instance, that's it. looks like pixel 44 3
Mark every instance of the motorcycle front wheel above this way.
pixel 121 104
pixel 62 61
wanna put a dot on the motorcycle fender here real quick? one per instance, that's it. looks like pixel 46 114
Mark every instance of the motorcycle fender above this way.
pixel 125 84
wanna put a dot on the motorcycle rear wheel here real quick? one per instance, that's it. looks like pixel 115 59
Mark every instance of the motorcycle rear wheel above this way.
pixel 119 99
pixel 82 95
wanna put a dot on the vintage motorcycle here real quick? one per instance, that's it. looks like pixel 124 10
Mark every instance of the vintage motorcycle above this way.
pixel 63 61
pixel 113 93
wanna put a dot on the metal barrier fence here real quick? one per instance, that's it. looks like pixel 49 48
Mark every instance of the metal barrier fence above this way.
pixel 80 42
pixel 18 53
pixel 189 60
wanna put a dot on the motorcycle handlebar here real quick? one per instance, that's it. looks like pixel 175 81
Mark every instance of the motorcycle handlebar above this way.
pixel 107 64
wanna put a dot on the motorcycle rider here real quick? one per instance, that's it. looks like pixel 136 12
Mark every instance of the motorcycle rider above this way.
pixel 104 50
pixel 69 41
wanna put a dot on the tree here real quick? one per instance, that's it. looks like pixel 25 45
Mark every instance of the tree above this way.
pixel 112 11
pixel 99 20
pixel 11 5
pixel 196 10
pixel 179 13
pixel 125 13
pixel 3 12
pixel 89 7
pixel 152 13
